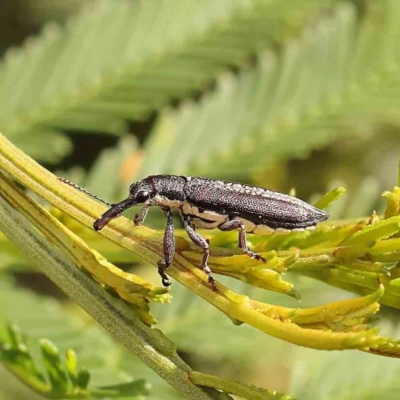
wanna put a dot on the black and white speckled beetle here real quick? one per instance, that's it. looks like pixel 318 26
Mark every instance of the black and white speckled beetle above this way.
pixel 208 204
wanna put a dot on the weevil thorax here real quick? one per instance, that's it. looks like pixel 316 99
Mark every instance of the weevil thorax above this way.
pixel 163 190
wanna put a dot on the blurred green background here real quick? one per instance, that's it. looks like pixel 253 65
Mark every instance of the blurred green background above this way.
pixel 282 94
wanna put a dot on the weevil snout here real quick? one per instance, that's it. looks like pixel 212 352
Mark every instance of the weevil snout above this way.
pixel 114 212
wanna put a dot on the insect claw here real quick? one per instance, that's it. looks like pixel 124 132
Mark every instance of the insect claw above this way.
pixel 213 283
pixel 166 282
pixel 162 266
pixel 261 258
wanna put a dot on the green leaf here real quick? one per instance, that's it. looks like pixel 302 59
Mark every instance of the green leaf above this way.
pixel 71 363
pixel 54 368
pixel 371 233
pixel 83 378
pixel 330 197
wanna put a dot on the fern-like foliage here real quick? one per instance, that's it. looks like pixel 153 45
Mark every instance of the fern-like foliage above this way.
pixel 340 75
pixel 45 318
pixel 121 60
pixel 59 381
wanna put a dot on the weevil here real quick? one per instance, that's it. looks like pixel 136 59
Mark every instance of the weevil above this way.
pixel 209 204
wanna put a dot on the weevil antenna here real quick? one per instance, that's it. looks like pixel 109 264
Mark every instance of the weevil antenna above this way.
pixel 80 188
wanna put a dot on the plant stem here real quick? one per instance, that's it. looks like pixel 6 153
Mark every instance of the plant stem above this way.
pixel 236 388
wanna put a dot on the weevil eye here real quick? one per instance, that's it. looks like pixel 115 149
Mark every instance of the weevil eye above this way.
pixel 142 196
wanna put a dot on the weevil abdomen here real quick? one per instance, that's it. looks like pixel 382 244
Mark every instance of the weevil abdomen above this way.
pixel 259 209
pixel 202 218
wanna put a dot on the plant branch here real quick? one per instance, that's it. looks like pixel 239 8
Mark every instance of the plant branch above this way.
pixel 148 245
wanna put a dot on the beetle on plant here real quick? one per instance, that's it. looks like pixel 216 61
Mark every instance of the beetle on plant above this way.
pixel 209 204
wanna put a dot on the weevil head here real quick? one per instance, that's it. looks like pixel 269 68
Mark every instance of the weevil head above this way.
pixel 159 190
pixel 155 190
pixel 142 192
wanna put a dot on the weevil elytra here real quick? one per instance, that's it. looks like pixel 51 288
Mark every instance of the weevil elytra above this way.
pixel 209 204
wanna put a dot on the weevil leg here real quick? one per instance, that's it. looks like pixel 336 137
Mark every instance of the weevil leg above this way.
pixel 204 244
pixel 168 247
pixel 139 218
pixel 238 224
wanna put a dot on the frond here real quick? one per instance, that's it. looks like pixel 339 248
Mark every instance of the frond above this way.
pixel 121 60
pixel 340 75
